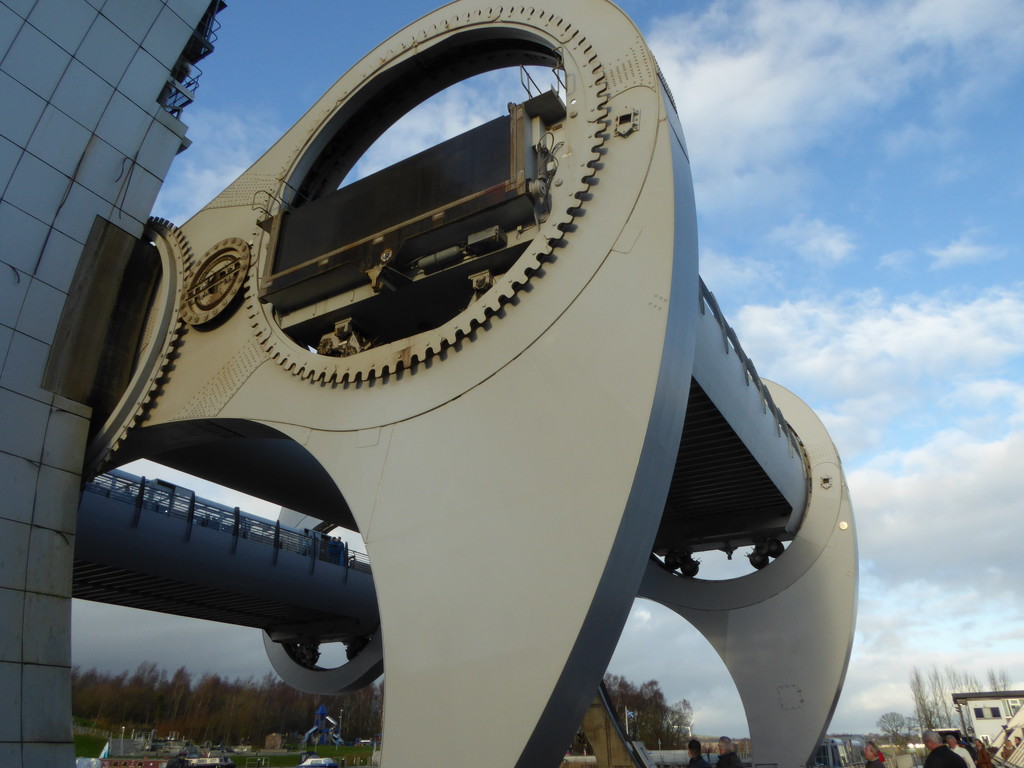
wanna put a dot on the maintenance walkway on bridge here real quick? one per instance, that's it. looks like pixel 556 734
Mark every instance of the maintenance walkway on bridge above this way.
pixel 148 544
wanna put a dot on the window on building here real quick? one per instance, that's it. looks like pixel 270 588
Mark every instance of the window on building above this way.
pixel 979 713
pixel 994 712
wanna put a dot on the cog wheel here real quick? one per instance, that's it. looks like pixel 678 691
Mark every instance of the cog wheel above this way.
pixel 405 354
pixel 158 349
pixel 215 282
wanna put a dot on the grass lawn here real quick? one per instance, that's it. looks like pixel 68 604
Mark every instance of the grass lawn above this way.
pixel 91 746
pixel 88 746
pixel 351 755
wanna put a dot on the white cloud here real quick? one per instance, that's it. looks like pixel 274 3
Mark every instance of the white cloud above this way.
pixel 963 250
pixel 759 83
pixel 735 275
pixel 224 145
pixel 860 345
pixel 897 261
pixel 952 494
pixel 911 138
pixel 449 113
pixel 815 241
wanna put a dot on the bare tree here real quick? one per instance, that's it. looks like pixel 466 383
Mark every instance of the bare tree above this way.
pixel 895 726
pixel 998 680
pixel 924 711
pixel 941 701
pixel 959 681
pixel 680 718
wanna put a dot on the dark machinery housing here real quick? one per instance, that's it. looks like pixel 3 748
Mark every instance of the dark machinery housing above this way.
pixel 409 247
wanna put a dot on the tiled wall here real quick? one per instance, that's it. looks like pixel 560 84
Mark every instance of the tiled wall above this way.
pixel 81 135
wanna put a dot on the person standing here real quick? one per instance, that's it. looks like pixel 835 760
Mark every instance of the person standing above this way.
pixel 955 747
pixel 939 755
pixel 727 757
pixel 984 756
pixel 696 758
pixel 880 753
pixel 871 756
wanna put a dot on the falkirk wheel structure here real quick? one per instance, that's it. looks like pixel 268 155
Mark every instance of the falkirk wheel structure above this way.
pixel 496 360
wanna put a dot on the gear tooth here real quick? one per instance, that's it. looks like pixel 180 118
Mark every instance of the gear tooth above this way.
pixel 468 324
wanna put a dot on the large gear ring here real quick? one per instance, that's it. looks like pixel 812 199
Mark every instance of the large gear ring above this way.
pixel 156 353
pixel 526 35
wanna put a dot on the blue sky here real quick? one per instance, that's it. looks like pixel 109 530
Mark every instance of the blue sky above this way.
pixel 859 176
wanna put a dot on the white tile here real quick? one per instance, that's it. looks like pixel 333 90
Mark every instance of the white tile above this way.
pixel 18 478
pixel 9 155
pixel 21 111
pixel 10 703
pixel 22 371
pixel 14 554
pixel 10 23
pixel 35 61
pixel 47 634
pixel 106 50
pixel 48 572
pixel 79 212
pixel 159 149
pixel 13 289
pixel 131 17
pixel 143 81
pixel 20 7
pixel 12 604
pixel 171 123
pixel 82 95
pixel 10 754
pixel 23 238
pixel 59 262
pixel 103 169
pixel 64 447
pixel 63 22
pixel 167 38
pixel 46 702
pixel 6 334
pixel 56 499
pixel 40 313
pixel 36 188
pixel 58 141
pixel 142 191
pixel 71 406
pixel 49 753
pixel 130 224
pixel 124 124
pixel 190 10
pixel 22 425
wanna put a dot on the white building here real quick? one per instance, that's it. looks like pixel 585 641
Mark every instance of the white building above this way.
pixel 984 713
pixel 91 94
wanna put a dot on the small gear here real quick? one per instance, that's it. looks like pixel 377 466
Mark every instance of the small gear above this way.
pixel 212 286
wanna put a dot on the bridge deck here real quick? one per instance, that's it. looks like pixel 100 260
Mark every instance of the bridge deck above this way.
pixel 148 544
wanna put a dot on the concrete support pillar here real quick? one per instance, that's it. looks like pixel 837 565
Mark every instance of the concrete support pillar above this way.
pixel 81 137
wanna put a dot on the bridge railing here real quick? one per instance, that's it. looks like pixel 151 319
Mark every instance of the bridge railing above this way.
pixel 730 341
pixel 167 499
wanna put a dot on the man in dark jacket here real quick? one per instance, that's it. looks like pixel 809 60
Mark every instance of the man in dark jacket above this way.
pixel 939 755
pixel 696 759
pixel 728 757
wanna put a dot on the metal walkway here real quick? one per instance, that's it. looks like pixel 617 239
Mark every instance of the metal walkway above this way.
pixel 152 545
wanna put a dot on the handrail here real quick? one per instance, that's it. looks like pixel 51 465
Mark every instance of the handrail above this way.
pixel 167 499
pixel 729 339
